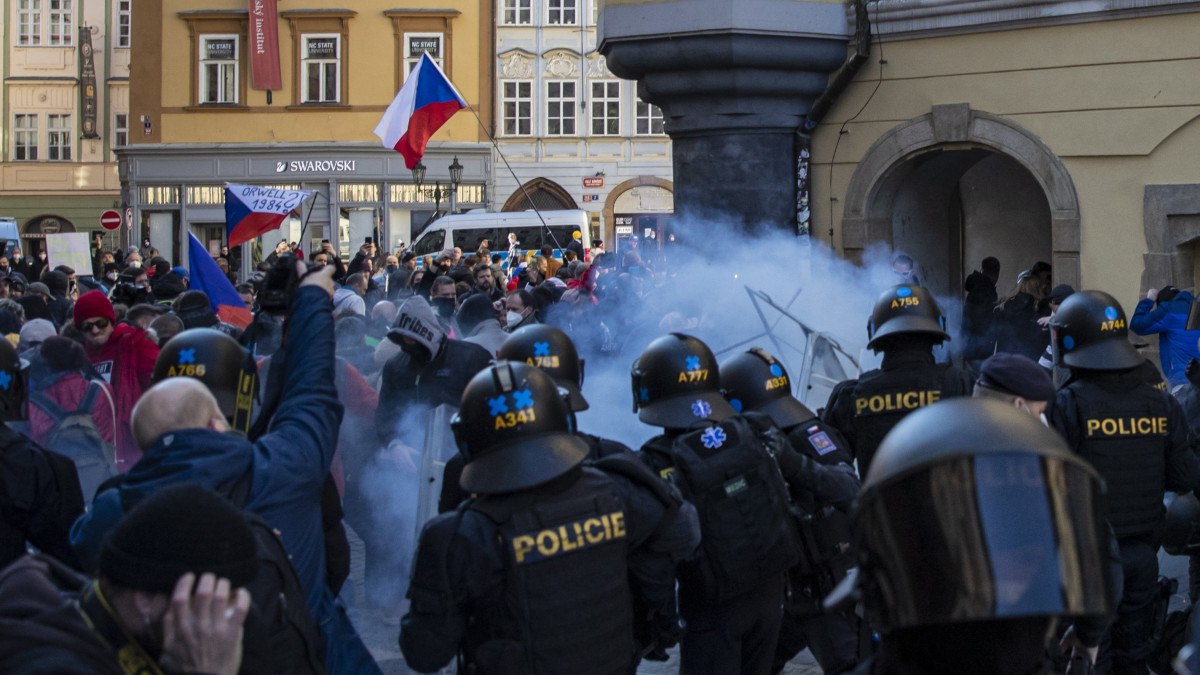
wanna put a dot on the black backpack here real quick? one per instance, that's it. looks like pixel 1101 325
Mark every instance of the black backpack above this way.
pixel 75 435
pixel 746 525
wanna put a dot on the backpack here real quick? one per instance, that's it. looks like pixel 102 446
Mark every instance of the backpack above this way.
pixel 747 530
pixel 75 435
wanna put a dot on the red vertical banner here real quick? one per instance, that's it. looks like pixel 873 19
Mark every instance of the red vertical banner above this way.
pixel 264 46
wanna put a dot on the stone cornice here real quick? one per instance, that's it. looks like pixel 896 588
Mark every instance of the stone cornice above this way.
pixel 911 19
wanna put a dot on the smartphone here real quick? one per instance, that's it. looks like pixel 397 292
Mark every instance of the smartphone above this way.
pixel 367 240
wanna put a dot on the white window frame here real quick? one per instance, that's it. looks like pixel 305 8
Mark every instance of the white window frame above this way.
pixel 511 94
pixel 221 64
pixel 556 95
pixel 59 132
pixel 411 59
pixel 124 24
pixel 25 137
pixel 60 20
pixel 29 23
pixel 648 114
pixel 516 12
pixel 562 12
pixel 306 62
pixel 604 107
pixel 120 130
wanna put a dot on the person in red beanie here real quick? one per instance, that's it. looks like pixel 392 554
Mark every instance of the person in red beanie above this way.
pixel 124 355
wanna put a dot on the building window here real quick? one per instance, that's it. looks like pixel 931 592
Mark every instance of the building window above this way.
pixel 322 69
pixel 29 23
pixel 560 108
pixel 25 138
pixel 561 12
pixel 417 43
pixel 606 108
pixel 649 119
pixel 517 12
pixel 120 130
pixel 58 137
pixel 517 101
pixel 123 23
pixel 61 32
pixel 218 69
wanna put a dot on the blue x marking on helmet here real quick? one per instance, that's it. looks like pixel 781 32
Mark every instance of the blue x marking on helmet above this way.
pixel 187 355
pixel 523 399
pixel 541 349
pixel 498 405
pixel 5 380
pixel 693 363
pixel 776 370
pixel 645 394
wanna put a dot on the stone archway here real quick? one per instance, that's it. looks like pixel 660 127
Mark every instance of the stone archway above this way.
pixel 867 216
pixel 610 202
pixel 548 195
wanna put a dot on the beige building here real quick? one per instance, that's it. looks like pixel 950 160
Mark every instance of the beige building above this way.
pixel 64 109
pixel 1062 130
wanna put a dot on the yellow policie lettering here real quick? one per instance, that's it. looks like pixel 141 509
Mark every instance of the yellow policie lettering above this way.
pixel 1112 325
pixel 509 420
pixel 1127 426
pixel 907 400
pixel 580 534
pixel 188 370
pixel 694 376
pixel 777 382
pixel 542 361
pixel 905 302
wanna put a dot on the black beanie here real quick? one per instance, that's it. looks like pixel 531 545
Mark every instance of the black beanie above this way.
pixel 179 529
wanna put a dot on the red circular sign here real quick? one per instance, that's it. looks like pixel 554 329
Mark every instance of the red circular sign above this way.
pixel 110 220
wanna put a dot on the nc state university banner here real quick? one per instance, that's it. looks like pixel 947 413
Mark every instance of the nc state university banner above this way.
pixel 264 46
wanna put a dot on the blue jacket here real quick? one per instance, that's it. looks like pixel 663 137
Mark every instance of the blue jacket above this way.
pixel 288 465
pixel 1176 346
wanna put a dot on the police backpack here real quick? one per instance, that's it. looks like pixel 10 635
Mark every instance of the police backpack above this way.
pixel 747 530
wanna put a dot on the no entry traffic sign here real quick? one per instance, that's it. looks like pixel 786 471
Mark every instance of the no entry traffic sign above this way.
pixel 110 220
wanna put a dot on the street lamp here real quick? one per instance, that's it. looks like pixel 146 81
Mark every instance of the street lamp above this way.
pixel 456 170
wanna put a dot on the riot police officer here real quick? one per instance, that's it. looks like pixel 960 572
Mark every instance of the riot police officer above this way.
pixel 539 573
pixel 755 381
pixel 905 325
pixel 223 365
pixel 977 529
pixel 731 593
pixel 1137 438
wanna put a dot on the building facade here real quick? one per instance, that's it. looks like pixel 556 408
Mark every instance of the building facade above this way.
pixel 574 135
pixel 64 111
pixel 209 114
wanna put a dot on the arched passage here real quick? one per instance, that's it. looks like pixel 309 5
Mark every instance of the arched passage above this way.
pixel 955 185
pixel 545 193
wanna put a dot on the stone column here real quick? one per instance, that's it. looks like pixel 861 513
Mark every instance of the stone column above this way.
pixel 734 79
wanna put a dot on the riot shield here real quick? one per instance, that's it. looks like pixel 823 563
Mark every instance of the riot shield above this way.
pixel 439 446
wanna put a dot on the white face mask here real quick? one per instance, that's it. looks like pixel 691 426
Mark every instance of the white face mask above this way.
pixel 135 264
pixel 514 318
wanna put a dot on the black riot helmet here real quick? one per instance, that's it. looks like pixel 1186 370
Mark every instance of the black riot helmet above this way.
pixel 12 383
pixel 755 381
pixel 1181 528
pixel 905 309
pixel 972 511
pixel 217 360
pixel 515 430
pixel 550 350
pixel 676 384
pixel 1089 331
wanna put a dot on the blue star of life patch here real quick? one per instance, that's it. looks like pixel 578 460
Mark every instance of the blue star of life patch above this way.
pixel 713 437
pixel 701 409
pixel 498 405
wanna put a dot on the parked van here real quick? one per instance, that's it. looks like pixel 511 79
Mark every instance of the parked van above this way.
pixel 468 230
pixel 10 235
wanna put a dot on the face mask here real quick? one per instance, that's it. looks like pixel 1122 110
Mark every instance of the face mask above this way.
pixel 41 256
pixel 444 307
pixel 111 276
pixel 417 352
pixel 514 319
pixel 16 256
pixel 391 268
pixel 136 264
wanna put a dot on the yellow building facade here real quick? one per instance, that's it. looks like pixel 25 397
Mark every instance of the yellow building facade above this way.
pixel 203 120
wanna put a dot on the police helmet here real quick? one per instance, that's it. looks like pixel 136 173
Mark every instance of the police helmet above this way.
pixel 676 383
pixel 1181 528
pixel 1089 331
pixel 755 381
pixel 973 510
pixel 905 309
pixel 515 430
pixel 550 350
pixel 217 360
pixel 12 383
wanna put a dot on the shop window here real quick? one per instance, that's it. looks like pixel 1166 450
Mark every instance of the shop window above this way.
pixel 516 12
pixel 25 138
pixel 606 108
pixel 322 68
pixel 219 69
pixel 561 12
pixel 649 119
pixel 517 105
pixel 561 103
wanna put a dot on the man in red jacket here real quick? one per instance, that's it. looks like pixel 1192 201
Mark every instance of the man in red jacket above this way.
pixel 124 356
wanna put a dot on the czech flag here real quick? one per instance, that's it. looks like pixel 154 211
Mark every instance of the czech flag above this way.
pixel 207 277
pixel 423 105
pixel 251 210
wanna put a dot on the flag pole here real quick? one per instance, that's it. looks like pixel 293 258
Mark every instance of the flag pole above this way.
pixel 524 191
pixel 304 227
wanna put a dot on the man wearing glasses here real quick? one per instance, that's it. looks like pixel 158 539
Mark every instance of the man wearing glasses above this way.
pixel 124 355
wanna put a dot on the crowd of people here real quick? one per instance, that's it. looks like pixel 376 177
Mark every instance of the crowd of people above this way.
pixel 177 490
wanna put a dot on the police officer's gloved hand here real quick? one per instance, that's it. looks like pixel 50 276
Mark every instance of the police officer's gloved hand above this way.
pixel 1193 372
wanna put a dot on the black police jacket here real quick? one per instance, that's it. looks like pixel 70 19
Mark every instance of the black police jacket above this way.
pixel 40 498
pixel 1136 437
pixel 866 409
pixel 406 382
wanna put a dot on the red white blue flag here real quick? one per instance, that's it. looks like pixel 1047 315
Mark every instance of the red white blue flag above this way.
pixel 206 276
pixel 423 105
pixel 251 210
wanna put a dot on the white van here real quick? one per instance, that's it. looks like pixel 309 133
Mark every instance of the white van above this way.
pixel 468 230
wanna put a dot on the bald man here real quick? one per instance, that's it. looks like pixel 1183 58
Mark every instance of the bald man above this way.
pixel 185 439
